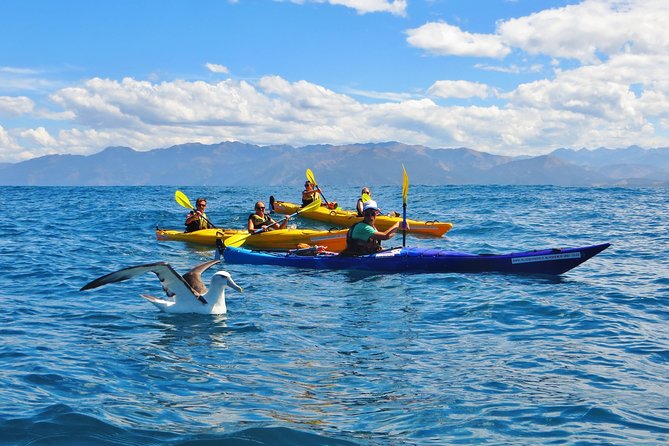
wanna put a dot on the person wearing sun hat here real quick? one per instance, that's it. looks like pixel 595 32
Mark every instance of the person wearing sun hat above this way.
pixel 363 237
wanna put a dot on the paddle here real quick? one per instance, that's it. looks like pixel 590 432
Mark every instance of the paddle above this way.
pixel 238 239
pixel 312 180
pixel 405 194
pixel 183 201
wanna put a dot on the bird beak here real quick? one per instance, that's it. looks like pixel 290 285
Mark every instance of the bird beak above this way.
pixel 233 285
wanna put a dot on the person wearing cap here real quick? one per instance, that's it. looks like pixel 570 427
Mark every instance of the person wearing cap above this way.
pixel 365 195
pixel 363 237
pixel 260 220
pixel 309 194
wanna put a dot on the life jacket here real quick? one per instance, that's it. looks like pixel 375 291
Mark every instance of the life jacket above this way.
pixel 308 196
pixel 258 221
pixel 199 223
pixel 357 247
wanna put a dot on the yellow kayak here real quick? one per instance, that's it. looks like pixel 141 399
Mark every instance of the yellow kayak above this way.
pixel 343 218
pixel 282 239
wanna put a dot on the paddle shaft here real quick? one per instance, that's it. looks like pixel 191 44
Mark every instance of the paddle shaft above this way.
pixel 404 227
pixel 405 197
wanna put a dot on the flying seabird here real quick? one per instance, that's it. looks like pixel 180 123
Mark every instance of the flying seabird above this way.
pixel 187 293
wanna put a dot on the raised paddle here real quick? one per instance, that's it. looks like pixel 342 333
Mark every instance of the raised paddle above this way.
pixel 183 201
pixel 312 180
pixel 405 194
pixel 239 239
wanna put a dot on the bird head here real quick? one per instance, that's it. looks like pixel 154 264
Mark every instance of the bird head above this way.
pixel 226 275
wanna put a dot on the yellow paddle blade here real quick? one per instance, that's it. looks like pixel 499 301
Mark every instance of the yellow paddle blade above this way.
pixel 405 185
pixel 237 239
pixel 310 177
pixel 183 200
pixel 365 197
pixel 311 206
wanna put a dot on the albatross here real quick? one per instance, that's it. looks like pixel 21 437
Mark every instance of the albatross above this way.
pixel 186 294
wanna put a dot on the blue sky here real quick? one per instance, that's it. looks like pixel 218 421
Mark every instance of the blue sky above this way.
pixel 504 76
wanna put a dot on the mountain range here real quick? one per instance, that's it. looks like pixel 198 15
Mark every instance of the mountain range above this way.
pixel 235 163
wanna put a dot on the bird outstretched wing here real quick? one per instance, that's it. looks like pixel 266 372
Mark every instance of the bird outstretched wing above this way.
pixel 171 280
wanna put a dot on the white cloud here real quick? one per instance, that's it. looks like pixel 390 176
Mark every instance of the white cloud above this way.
pixel 396 7
pixel 216 68
pixel 6 141
pixel 11 106
pixel 459 89
pixel 588 32
pixel 617 96
pixel 448 40
pixel 18 71
pixel 592 29
pixel 39 136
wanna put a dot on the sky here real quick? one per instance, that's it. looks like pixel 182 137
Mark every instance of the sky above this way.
pixel 509 77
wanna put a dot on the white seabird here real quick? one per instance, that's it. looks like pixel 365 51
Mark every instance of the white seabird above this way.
pixel 187 293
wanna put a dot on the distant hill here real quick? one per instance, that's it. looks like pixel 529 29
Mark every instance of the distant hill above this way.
pixel 235 163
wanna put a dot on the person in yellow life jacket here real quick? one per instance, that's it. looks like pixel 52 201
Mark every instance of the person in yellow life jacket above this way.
pixel 365 195
pixel 260 220
pixel 363 237
pixel 197 219
pixel 309 194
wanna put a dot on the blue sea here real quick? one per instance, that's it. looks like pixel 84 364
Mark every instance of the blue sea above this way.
pixel 336 358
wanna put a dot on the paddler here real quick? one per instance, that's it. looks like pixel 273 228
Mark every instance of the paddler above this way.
pixel 365 194
pixel 260 220
pixel 363 237
pixel 309 194
pixel 196 218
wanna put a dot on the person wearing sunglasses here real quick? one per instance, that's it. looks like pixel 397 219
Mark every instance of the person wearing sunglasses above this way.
pixel 309 194
pixel 197 219
pixel 365 195
pixel 260 220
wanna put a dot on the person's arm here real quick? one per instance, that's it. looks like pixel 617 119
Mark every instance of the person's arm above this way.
pixel 250 226
pixel 274 225
pixel 359 206
pixel 388 233
pixel 192 216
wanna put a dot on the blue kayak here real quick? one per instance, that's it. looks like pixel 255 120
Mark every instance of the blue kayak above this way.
pixel 546 261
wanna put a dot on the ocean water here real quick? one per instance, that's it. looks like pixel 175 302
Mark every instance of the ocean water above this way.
pixel 336 358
